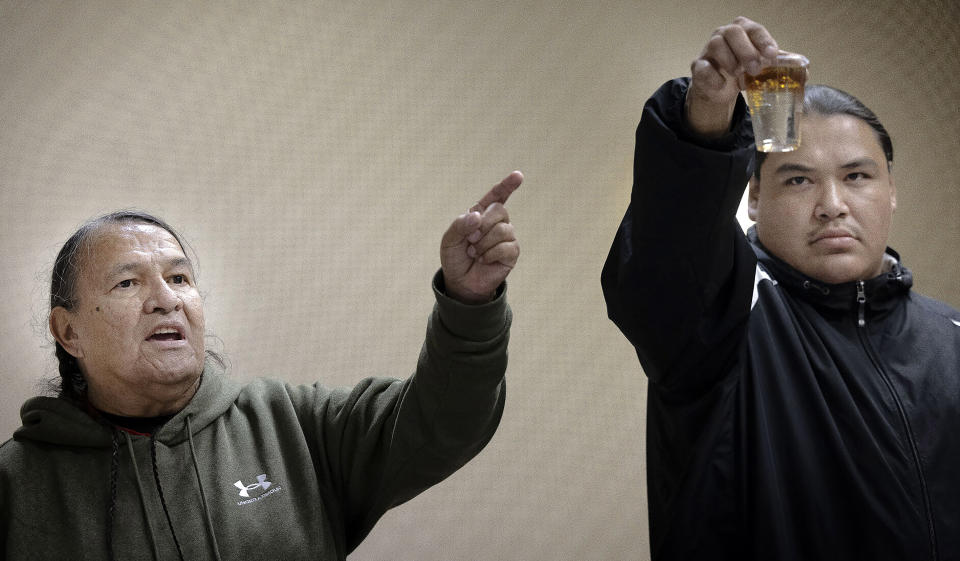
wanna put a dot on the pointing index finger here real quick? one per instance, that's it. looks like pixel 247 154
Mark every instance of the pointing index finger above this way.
pixel 500 192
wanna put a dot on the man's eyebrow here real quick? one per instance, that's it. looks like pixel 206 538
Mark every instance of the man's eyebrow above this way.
pixel 179 262
pixel 800 168
pixel 860 162
pixel 784 168
pixel 122 268
pixel 171 263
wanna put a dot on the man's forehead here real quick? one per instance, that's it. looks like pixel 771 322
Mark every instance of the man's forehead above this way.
pixel 124 245
pixel 137 235
pixel 831 141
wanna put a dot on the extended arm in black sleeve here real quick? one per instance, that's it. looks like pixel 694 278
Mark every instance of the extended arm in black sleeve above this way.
pixel 679 276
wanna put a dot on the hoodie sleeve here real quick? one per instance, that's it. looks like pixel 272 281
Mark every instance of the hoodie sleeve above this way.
pixel 387 440
pixel 678 278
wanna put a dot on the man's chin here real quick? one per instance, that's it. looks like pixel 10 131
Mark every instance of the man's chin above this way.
pixel 175 374
pixel 837 269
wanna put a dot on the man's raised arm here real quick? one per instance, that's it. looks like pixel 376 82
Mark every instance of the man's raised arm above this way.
pixel 679 275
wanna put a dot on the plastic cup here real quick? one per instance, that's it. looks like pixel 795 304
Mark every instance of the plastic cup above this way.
pixel 775 97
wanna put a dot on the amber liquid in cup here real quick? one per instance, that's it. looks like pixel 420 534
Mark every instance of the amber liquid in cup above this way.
pixel 775 97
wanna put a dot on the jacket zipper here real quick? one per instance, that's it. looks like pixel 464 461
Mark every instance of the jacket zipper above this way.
pixel 861 304
pixel 861 322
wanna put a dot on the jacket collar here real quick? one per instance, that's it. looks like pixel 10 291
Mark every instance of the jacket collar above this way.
pixel 57 420
pixel 882 292
pixel 216 394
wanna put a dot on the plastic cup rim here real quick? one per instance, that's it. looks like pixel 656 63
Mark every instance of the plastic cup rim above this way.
pixel 791 59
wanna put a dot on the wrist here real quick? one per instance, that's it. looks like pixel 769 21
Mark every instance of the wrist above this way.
pixel 705 118
pixel 465 296
pixel 462 296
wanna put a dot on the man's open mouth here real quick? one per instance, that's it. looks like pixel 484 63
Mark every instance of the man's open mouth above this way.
pixel 165 335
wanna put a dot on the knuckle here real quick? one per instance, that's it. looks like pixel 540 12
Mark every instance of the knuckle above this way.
pixel 495 207
pixel 700 68
pixel 716 48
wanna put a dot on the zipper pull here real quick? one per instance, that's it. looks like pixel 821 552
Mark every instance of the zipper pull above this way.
pixel 861 304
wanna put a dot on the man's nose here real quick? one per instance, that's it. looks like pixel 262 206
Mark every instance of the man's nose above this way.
pixel 161 298
pixel 831 203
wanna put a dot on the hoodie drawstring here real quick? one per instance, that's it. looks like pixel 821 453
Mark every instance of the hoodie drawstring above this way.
pixel 114 468
pixel 203 495
pixel 114 476
pixel 163 501
pixel 143 501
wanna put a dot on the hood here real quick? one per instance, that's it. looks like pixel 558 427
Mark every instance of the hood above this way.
pixel 62 422
pixel 59 421
pixel 882 292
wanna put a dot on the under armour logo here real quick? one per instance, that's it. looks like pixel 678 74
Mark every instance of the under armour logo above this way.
pixel 261 482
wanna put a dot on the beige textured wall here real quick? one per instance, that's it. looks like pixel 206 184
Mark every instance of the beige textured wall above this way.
pixel 313 152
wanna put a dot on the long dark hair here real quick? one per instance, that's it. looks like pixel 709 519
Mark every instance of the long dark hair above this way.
pixel 63 288
pixel 825 100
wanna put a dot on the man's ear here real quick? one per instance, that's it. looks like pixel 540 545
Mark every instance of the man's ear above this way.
pixel 753 198
pixel 61 327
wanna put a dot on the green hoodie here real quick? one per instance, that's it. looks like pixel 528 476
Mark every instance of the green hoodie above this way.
pixel 258 471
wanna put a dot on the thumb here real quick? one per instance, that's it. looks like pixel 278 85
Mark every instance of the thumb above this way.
pixel 707 79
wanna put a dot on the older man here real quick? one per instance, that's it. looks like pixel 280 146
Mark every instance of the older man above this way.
pixel 151 453
pixel 803 402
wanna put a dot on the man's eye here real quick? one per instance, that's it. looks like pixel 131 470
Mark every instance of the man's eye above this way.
pixel 857 176
pixel 178 279
pixel 798 180
pixel 125 283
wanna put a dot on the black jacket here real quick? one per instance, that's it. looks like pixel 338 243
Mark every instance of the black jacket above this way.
pixel 778 426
